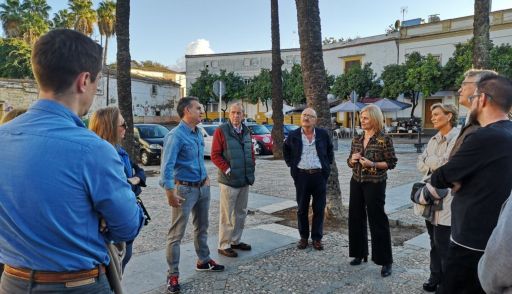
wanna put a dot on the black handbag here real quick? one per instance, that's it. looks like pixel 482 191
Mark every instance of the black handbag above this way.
pixel 415 188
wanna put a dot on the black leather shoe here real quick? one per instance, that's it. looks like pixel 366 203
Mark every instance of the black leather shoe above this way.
pixel 358 260
pixel 302 244
pixel 386 270
pixel 241 246
pixel 430 285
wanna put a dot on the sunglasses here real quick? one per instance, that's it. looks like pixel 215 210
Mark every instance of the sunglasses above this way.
pixel 124 126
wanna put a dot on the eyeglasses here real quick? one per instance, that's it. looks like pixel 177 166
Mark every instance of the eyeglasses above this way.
pixel 308 115
pixel 465 83
pixel 124 126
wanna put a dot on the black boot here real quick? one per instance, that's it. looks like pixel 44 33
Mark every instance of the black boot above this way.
pixel 386 270
pixel 358 260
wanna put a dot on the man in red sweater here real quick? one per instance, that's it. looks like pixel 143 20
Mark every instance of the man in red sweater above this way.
pixel 232 152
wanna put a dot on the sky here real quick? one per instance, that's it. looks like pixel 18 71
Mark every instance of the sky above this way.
pixel 166 30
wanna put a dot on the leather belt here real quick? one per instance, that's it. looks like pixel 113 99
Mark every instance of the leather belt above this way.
pixel 310 171
pixel 53 277
pixel 190 184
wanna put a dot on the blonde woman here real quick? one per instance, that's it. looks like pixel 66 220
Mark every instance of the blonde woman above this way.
pixel 444 118
pixel 109 124
pixel 371 155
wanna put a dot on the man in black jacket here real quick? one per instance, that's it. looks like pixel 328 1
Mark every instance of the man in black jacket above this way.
pixel 308 152
pixel 479 175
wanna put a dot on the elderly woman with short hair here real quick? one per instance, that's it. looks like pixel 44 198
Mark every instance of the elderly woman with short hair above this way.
pixel 371 155
pixel 444 118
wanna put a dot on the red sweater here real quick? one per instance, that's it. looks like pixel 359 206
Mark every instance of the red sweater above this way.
pixel 218 147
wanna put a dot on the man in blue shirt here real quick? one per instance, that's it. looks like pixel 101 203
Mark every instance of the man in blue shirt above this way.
pixel 58 179
pixel 187 188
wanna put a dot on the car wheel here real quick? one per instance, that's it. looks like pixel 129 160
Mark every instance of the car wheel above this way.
pixel 258 149
pixel 144 158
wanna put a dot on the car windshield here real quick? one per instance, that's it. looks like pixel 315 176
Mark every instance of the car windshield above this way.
pixel 269 127
pixel 156 131
pixel 291 127
pixel 210 129
pixel 259 130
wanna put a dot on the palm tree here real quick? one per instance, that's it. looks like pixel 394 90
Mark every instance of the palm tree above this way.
pixel 106 23
pixel 277 84
pixel 63 19
pixel 12 18
pixel 35 19
pixel 84 16
pixel 315 86
pixel 124 82
pixel 482 45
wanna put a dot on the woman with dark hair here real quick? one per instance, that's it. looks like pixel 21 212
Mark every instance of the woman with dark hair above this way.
pixel 438 222
pixel 109 124
pixel 371 155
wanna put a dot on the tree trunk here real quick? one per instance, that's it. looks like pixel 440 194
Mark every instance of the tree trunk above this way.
pixel 315 87
pixel 277 84
pixel 105 67
pixel 124 82
pixel 481 44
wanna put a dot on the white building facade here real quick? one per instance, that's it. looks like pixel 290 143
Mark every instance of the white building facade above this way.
pixel 438 38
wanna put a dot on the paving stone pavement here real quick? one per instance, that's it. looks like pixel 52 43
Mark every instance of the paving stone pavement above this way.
pixel 289 270
pixel 284 269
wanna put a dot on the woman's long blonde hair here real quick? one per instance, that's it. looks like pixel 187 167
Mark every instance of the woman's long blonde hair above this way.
pixel 375 115
pixel 104 123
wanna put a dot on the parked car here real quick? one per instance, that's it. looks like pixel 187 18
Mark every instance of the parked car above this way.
pixel 218 121
pixel 150 139
pixel 287 128
pixel 208 130
pixel 249 120
pixel 263 138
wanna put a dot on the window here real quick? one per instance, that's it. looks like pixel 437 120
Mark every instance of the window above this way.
pixel 215 63
pixel 255 61
pixel 247 81
pixel 437 57
pixel 352 61
pixel 154 90
pixel 247 62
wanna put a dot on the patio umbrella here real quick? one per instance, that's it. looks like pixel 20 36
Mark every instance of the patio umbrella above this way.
pixel 347 106
pixel 390 105
pixel 286 109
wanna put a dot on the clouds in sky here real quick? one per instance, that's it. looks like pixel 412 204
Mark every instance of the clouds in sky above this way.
pixel 199 46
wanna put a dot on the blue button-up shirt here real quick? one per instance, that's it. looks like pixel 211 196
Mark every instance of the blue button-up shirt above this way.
pixel 57 179
pixel 183 156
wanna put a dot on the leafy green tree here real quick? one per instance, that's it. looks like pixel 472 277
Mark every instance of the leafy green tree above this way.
pixel 453 71
pixel 501 59
pixel 63 19
pixel 419 74
pixel 423 77
pixel 84 16
pixel 235 88
pixel 293 86
pixel 202 88
pixel 361 80
pixel 259 88
pixel 15 56
pixel 393 77
pixel 12 17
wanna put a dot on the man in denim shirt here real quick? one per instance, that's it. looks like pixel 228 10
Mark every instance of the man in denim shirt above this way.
pixel 58 179
pixel 187 188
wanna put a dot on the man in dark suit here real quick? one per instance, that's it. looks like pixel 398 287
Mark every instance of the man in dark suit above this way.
pixel 308 152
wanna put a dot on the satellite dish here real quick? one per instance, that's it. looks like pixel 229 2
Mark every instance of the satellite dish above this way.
pixel 397 24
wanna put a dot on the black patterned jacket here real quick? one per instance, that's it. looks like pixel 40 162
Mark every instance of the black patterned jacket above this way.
pixel 379 148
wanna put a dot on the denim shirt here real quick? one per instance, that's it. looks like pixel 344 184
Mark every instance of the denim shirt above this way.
pixel 57 180
pixel 183 156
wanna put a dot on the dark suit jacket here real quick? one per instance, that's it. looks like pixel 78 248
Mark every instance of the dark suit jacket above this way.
pixel 292 150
